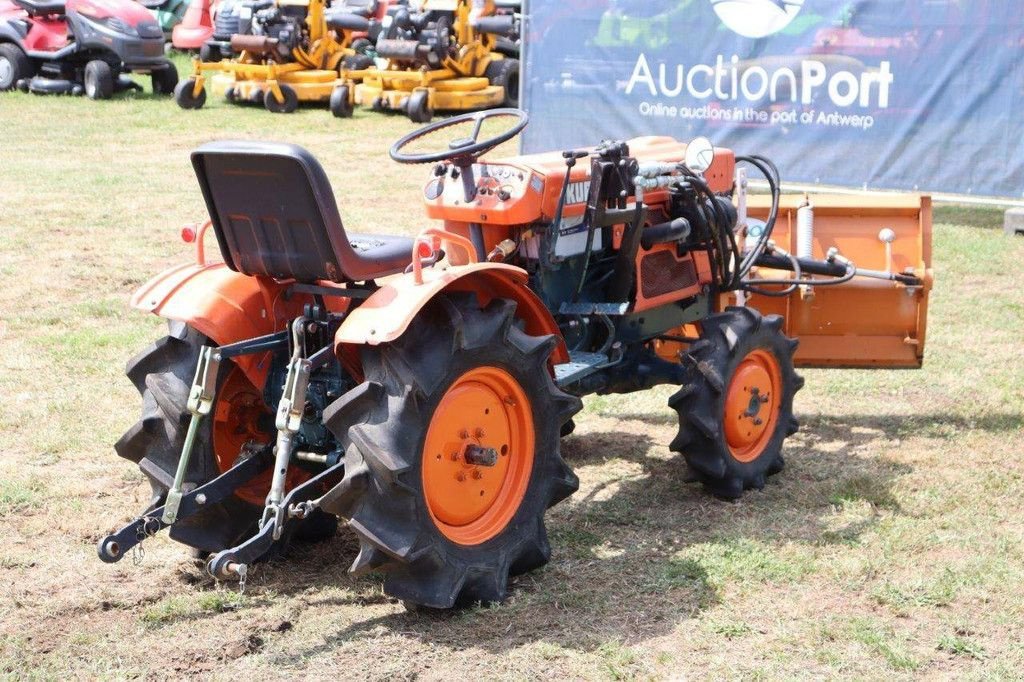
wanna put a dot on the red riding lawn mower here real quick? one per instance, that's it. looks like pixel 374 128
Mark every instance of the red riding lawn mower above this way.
pixel 81 47
pixel 419 389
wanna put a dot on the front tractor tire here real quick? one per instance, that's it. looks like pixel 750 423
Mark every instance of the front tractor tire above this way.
pixel 163 373
pixel 453 440
pixel 736 403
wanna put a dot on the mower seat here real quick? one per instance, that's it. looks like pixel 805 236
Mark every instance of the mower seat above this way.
pixel 41 8
pixel 274 215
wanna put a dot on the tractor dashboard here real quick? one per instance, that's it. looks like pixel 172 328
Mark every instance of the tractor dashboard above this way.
pixel 504 194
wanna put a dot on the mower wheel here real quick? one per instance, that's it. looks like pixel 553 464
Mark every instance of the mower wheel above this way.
pixel 230 94
pixel 165 80
pixel 505 74
pixel 418 107
pixel 163 375
pixel 356 62
pixel 99 80
pixel 736 404
pixel 209 53
pixel 185 97
pixel 15 66
pixel 452 454
pixel 341 102
pixel 290 103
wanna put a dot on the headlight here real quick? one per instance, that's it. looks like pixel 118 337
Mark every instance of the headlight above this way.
pixel 118 25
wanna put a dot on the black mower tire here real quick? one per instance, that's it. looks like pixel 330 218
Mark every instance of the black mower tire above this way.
pixel 15 66
pixel 361 45
pixel 99 80
pixel 728 339
pixel 183 95
pixel 289 105
pixel 341 102
pixel 418 107
pixel 383 426
pixel 505 74
pixel 164 80
pixel 357 62
pixel 209 53
pixel 163 374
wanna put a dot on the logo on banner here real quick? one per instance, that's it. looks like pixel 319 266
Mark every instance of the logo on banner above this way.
pixel 757 18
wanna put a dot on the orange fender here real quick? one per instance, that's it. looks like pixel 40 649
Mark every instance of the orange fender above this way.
pixel 385 315
pixel 223 305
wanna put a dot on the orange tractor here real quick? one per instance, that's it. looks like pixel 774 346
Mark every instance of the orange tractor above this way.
pixel 418 389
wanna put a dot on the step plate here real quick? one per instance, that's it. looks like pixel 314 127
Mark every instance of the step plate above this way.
pixel 580 365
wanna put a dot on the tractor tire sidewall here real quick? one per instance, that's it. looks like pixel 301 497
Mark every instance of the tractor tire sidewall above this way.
pixel 167 369
pixel 546 444
pixel 701 407
pixel 775 344
pixel 99 80
pixel 15 63
pixel 414 375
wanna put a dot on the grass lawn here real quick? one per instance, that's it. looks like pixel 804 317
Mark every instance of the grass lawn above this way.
pixel 890 547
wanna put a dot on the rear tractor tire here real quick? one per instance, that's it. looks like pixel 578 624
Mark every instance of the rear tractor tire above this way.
pixel 163 376
pixel 453 441
pixel 736 405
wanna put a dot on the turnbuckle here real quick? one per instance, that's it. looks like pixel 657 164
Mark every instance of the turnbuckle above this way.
pixel 288 421
pixel 200 404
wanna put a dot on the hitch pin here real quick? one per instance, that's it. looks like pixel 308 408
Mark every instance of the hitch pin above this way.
pixel 200 404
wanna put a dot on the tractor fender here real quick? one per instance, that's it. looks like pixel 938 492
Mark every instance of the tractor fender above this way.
pixel 387 313
pixel 223 305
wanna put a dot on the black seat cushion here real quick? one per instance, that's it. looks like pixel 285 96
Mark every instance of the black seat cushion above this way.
pixel 274 214
pixel 41 7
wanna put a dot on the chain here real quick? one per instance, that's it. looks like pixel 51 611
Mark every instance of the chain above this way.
pixel 142 532
pixel 243 572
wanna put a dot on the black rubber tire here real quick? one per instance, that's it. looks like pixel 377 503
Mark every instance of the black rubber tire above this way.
pixel 165 80
pixel 185 99
pixel 505 73
pixel 209 53
pixel 357 62
pixel 163 374
pixel 290 103
pixel 418 107
pixel 99 80
pixel 361 45
pixel 383 423
pixel 15 64
pixel 341 102
pixel 709 366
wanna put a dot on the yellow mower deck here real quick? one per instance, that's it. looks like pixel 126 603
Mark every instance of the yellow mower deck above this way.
pixel 445 91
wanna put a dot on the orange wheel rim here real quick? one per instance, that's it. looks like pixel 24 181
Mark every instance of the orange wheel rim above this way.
pixel 236 422
pixel 484 414
pixel 752 404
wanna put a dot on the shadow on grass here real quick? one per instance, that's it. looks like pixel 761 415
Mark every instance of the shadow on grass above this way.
pixel 640 552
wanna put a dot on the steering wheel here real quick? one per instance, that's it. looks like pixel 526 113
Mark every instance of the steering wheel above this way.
pixel 465 150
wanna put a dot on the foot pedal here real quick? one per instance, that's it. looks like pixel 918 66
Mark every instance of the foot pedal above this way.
pixel 580 365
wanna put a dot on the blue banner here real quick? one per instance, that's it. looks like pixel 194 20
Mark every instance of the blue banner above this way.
pixel 920 95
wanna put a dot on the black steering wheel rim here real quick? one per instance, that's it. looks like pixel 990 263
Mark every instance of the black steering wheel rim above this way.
pixel 462 155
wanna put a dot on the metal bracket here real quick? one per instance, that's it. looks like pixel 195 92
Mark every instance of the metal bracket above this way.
pixel 200 404
pixel 113 547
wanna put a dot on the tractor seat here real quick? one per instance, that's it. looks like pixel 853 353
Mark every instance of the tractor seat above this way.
pixel 41 8
pixel 274 215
